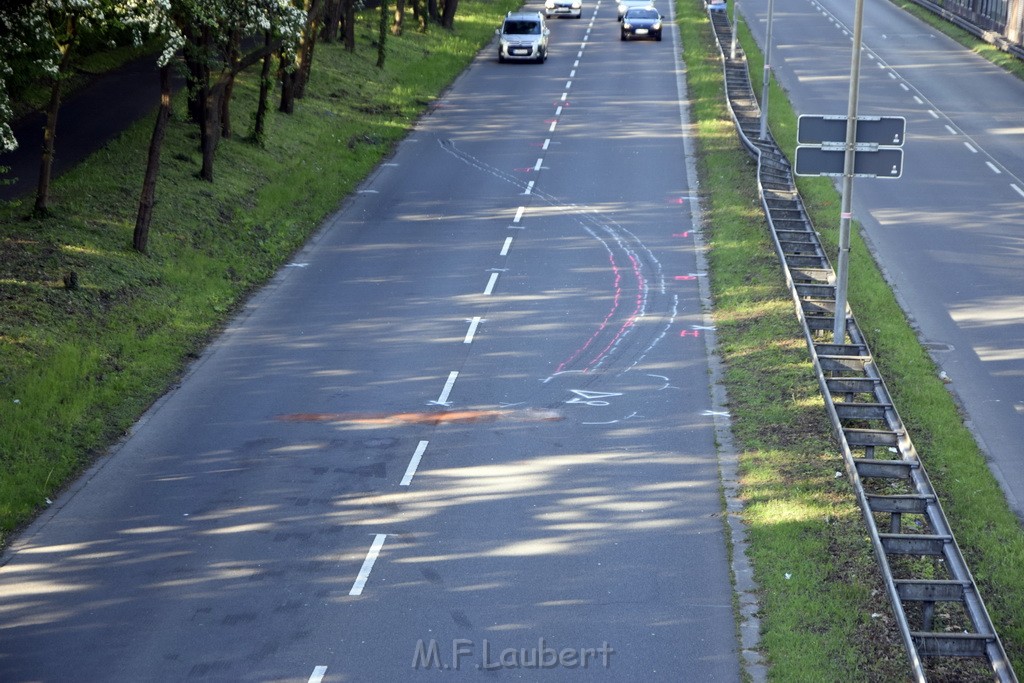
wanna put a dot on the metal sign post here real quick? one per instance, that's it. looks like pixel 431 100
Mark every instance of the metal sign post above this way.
pixel 845 213
pixel 735 28
pixel 767 72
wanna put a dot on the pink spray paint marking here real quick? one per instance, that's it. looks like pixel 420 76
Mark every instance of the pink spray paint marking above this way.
pixel 631 320
pixel 616 285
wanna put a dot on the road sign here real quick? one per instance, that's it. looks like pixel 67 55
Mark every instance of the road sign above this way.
pixel 885 162
pixel 888 131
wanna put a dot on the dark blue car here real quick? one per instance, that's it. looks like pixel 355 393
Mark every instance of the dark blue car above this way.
pixel 641 22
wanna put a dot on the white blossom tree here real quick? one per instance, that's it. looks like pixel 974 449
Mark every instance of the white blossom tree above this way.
pixel 150 19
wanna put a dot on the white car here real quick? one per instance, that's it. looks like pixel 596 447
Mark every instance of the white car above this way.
pixel 563 8
pixel 627 4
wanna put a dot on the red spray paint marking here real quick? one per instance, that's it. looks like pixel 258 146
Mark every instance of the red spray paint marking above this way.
pixel 681 234
pixel 689 333
pixel 604 323
pixel 639 302
pixel 686 277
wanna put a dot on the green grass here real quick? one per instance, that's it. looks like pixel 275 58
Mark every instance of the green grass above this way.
pixel 78 367
pixel 788 450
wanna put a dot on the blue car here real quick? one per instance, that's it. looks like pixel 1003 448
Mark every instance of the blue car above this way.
pixel 641 22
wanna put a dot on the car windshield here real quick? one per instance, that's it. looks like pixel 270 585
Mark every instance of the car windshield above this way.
pixel 522 28
pixel 642 14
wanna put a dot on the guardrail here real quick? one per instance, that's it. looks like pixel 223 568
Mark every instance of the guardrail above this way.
pixel 888 477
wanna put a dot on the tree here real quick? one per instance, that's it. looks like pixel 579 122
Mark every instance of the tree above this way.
pixel 332 20
pixel 258 135
pixel 147 200
pixel 147 19
pixel 211 29
pixel 213 26
pixel 399 20
pixel 382 34
pixel 448 16
pixel 295 72
pixel 349 26
pixel 12 49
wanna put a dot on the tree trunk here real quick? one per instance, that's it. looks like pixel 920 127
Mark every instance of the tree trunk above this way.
pixel 312 29
pixel 433 13
pixel 419 11
pixel 448 18
pixel 42 204
pixel 333 22
pixel 396 27
pixel 234 54
pixel 382 34
pixel 140 239
pixel 210 130
pixel 350 25
pixel 258 134
pixel 287 105
pixel 198 74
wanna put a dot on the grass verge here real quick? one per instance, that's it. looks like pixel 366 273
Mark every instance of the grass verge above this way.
pixel 800 516
pixel 818 579
pixel 79 365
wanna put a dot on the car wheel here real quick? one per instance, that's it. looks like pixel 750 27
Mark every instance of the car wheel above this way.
pixel 501 58
pixel 622 35
pixel 657 37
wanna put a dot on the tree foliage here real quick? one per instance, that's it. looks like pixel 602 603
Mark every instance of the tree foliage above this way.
pixel 211 40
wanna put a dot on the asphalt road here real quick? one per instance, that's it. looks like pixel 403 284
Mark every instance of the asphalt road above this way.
pixel 949 234
pixel 468 428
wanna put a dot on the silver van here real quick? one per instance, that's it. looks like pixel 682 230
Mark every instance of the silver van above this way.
pixel 523 36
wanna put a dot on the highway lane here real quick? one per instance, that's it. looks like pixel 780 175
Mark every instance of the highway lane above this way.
pixel 949 234
pixel 468 427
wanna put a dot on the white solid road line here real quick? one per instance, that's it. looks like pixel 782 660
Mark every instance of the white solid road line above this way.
pixel 318 674
pixel 364 571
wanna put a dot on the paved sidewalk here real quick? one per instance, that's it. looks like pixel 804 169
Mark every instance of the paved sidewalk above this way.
pixel 88 120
